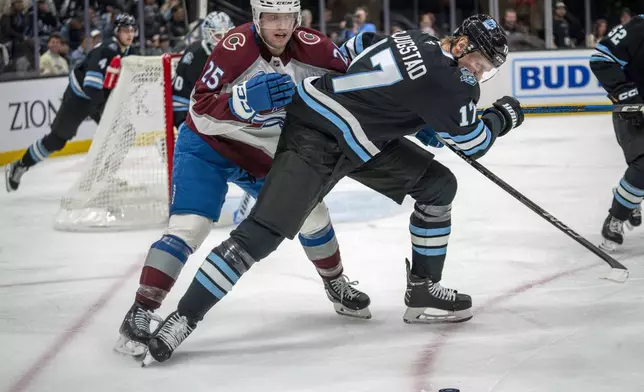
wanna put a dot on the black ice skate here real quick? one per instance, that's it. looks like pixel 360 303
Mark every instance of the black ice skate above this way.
pixel 168 336
pixel 430 303
pixel 347 300
pixel 635 219
pixel 613 233
pixel 12 174
pixel 135 331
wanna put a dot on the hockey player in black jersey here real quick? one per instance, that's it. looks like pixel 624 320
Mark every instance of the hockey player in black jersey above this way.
pixel 618 64
pixel 354 125
pixel 213 29
pixel 89 87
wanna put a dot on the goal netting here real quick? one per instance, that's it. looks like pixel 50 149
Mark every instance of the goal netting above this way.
pixel 124 184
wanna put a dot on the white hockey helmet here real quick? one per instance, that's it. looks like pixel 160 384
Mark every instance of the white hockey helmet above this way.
pixel 275 6
pixel 214 27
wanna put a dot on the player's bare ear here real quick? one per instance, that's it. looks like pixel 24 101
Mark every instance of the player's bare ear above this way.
pixel 461 44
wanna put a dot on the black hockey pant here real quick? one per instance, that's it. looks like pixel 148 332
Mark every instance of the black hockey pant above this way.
pixel 71 114
pixel 309 163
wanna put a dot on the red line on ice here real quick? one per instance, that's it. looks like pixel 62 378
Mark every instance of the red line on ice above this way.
pixel 428 356
pixel 30 375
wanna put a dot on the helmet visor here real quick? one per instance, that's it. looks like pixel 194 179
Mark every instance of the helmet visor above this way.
pixel 278 21
pixel 479 65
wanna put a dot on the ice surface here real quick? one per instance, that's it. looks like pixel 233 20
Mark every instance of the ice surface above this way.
pixel 544 320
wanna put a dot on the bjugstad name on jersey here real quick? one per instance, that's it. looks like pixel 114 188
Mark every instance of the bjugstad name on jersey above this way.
pixel 411 56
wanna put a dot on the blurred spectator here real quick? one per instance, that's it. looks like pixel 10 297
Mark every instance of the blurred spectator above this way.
pixel 152 46
pixel 625 16
pixel 107 22
pixel 428 24
pixel 47 22
pixel 73 31
pixel 151 6
pixel 307 19
pixel 164 44
pixel 357 25
pixel 151 23
pixel 335 37
pixel 328 15
pixel 24 57
pixel 166 9
pixel 94 19
pixel 518 37
pixel 599 31
pixel 511 24
pixel 81 52
pixel 67 8
pixel 560 27
pixel 52 63
pixel 177 25
pixel 13 26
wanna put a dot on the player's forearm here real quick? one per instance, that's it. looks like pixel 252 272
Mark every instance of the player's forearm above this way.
pixel 610 75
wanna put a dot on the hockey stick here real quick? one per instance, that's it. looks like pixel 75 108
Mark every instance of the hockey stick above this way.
pixel 580 109
pixel 619 273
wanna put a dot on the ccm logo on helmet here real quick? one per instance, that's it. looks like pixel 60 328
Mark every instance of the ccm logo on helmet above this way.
pixel 308 38
pixel 233 41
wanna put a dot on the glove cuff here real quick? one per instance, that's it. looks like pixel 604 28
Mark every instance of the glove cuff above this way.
pixel 627 93
pixel 238 103
pixel 500 116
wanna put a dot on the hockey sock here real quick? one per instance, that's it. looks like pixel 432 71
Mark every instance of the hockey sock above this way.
pixel 219 272
pixel 163 265
pixel 628 194
pixel 35 153
pixel 430 227
pixel 321 247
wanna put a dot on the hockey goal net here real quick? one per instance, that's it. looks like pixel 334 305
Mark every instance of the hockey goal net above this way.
pixel 125 181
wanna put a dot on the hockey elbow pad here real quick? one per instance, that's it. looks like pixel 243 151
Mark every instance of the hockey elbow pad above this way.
pixel 261 92
pixel 112 73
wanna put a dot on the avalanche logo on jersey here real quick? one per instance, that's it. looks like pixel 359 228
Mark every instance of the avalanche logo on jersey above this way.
pixel 187 58
pixel 308 38
pixel 468 77
pixel 234 40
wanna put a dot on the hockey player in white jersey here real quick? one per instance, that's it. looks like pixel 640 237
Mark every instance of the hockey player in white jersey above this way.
pixel 230 135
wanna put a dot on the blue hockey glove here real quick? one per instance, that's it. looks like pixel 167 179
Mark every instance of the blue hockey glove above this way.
pixel 428 137
pixel 261 92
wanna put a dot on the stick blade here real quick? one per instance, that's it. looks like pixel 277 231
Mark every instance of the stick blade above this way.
pixel 618 275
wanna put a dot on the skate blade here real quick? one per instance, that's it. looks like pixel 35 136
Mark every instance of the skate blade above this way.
pixel 129 347
pixel 608 246
pixel 7 175
pixel 631 226
pixel 147 360
pixel 618 275
pixel 343 311
pixel 418 316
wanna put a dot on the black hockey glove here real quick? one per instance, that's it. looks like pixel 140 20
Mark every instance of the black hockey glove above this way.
pixel 509 108
pixel 628 94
